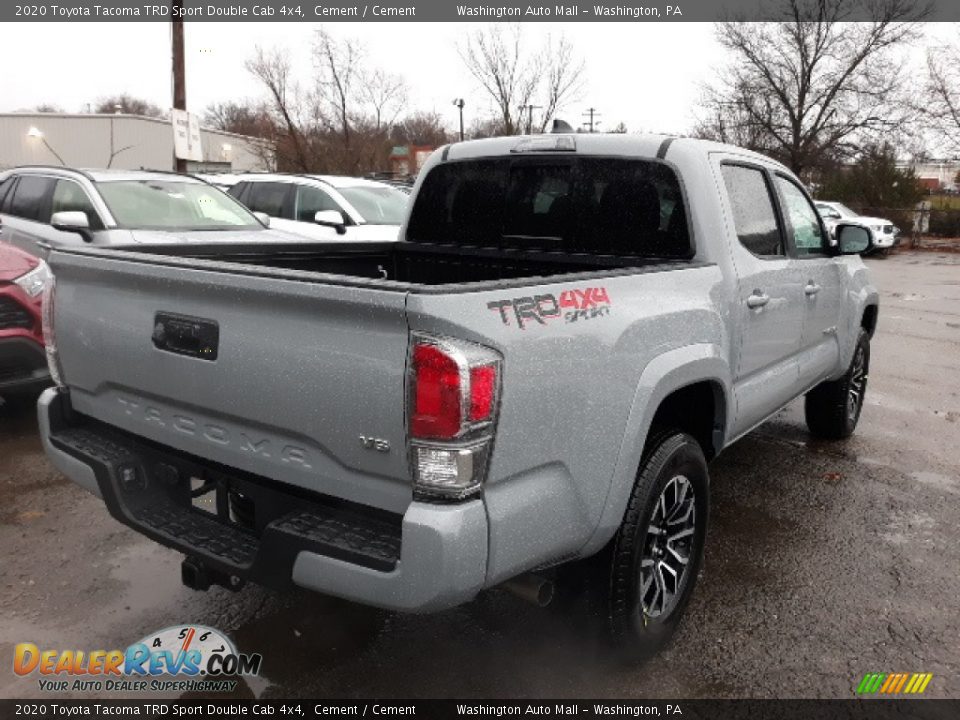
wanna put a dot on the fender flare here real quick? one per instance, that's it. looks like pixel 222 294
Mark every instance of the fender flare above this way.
pixel 665 374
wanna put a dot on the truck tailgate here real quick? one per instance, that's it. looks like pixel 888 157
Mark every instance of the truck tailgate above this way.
pixel 302 370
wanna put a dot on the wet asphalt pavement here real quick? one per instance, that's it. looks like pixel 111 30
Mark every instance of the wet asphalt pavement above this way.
pixel 824 561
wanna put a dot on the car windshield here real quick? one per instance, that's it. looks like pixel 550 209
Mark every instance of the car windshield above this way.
pixel 159 204
pixel 377 205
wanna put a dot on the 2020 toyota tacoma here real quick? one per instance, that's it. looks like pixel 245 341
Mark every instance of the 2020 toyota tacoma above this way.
pixel 528 385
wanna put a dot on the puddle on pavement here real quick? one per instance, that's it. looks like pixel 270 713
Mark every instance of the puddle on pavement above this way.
pixel 149 574
pixel 305 632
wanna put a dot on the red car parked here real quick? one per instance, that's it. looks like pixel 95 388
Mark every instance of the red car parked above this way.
pixel 23 362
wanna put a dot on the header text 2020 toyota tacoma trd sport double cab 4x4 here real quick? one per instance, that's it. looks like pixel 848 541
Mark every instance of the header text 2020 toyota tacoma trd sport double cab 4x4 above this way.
pixel 529 384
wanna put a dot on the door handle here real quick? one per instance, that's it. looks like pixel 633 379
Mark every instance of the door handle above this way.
pixel 757 299
pixel 811 289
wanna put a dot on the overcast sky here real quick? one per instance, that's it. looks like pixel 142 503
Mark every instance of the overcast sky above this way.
pixel 647 75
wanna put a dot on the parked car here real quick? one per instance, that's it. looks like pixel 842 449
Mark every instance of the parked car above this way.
pixel 45 207
pixel 884 232
pixel 23 361
pixel 325 207
pixel 524 390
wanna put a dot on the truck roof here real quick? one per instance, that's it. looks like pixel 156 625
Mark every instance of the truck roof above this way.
pixel 623 144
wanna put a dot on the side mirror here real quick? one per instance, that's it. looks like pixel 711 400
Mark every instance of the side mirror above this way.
pixel 72 221
pixel 853 239
pixel 263 218
pixel 331 218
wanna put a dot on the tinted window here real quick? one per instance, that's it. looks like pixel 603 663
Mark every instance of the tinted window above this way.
pixel 236 191
pixel 69 196
pixel 310 201
pixel 590 205
pixel 4 189
pixel 268 197
pixel 30 196
pixel 754 218
pixel 802 219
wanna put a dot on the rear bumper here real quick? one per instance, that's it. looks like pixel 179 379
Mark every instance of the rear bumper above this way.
pixel 430 558
pixel 23 365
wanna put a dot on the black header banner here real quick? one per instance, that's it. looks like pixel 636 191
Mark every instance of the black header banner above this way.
pixel 919 709
pixel 423 11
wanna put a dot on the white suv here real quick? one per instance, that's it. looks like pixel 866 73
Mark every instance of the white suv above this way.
pixel 325 207
pixel 884 231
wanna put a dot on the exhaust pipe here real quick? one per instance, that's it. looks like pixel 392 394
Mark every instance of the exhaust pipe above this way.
pixel 532 588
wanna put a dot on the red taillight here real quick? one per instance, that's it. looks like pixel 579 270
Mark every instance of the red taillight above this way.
pixel 443 409
pixel 436 397
pixel 454 396
pixel 483 383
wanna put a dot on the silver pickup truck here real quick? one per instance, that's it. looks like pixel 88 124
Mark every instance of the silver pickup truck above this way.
pixel 525 390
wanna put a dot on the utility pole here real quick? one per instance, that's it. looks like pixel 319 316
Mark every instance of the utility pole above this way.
pixel 529 109
pixel 179 69
pixel 591 123
pixel 460 103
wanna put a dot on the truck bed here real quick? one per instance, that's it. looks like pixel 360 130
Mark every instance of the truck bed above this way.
pixel 405 264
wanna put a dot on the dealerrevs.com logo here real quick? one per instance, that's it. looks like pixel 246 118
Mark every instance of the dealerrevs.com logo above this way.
pixel 177 658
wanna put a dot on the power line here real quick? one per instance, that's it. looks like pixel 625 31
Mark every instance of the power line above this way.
pixel 591 124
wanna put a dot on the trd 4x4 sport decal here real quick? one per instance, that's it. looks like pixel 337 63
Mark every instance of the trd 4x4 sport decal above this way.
pixel 573 306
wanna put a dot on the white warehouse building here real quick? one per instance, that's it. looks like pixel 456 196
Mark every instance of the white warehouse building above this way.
pixel 129 142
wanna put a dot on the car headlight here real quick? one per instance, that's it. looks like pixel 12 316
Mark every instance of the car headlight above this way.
pixel 34 281
pixel 876 228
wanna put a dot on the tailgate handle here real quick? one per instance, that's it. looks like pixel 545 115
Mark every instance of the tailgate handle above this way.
pixel 184 335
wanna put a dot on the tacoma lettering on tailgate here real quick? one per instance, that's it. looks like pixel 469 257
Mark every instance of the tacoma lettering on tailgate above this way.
pixel 573 305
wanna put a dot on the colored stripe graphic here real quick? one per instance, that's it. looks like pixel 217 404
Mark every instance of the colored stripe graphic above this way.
pixel 894 683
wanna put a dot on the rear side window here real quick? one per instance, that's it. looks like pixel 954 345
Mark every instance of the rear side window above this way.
pixel 31 198
pixel 754 218
pixel 268 197
pixel 237 191
pixel 4 189
pixel 600 206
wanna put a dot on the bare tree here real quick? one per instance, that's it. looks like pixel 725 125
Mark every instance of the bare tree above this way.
pixel 421 128
pixel 242 118
pixel 517 75
pixel 128 105
pixel 385 94
pixel 562 77
pixel 272 69
pixel 942 107
pixel 338 75
pixel 340 119
pixel 48 108
pixel 814 84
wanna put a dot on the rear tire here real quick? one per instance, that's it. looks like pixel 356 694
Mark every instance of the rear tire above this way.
pixel 653 561
pixel 833 408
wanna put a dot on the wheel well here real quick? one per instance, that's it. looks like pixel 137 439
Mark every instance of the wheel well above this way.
pixel 869 320
pixel 698 409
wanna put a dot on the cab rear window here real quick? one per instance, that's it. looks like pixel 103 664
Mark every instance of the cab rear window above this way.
pixel 598 206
